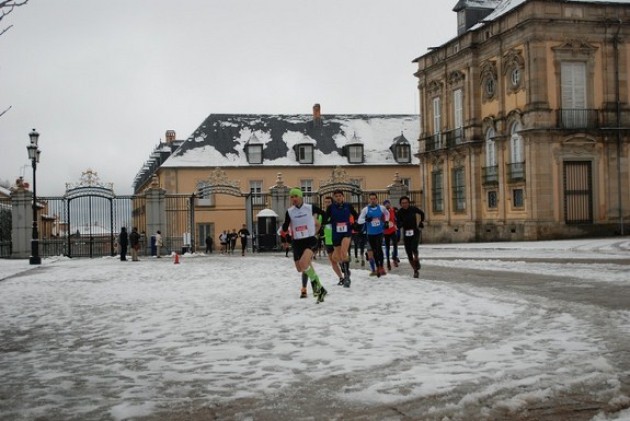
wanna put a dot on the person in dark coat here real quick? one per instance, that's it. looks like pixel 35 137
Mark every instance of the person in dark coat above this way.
pixel 123 242
pixel 243 233
pixel 134 242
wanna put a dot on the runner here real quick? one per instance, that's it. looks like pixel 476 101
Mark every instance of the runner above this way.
pixel 338 215
pixel 391 236
pixel 328 243
pixel 410 227
pixel 376 219
pixel 300 217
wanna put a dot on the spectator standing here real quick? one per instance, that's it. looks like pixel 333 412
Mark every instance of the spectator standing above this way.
pixel 158 243
pixel 123 242
pixel 134 242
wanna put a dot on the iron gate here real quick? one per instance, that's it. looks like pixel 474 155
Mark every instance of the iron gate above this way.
pixel 87 225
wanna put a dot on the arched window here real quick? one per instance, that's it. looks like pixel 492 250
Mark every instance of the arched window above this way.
pixel 516 143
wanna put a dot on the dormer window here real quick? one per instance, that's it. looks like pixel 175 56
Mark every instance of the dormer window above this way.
pixel 304 153
pixel 355 154
pixel 402 154
pixel 254 154
pixel 401 149
pixel 353 150
pixel 254 150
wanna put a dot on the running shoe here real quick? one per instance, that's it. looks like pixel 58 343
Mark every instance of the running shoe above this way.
pixel 322 294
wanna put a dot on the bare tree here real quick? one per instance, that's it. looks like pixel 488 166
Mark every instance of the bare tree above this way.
pixel 6 7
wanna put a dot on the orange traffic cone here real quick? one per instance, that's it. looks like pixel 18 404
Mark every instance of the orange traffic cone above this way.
pixel 176 261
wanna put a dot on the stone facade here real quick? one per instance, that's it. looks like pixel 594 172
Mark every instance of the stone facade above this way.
pixel 525 125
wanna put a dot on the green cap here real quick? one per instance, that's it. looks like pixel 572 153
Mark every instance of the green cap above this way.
pixel 296 191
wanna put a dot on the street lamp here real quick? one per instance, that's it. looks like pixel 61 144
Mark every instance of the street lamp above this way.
pixel 33 155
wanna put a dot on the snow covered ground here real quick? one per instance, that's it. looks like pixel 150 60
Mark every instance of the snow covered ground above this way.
pixel 104 339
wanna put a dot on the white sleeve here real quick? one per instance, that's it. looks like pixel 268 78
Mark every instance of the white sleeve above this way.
pixel 362 216
pixel 385 212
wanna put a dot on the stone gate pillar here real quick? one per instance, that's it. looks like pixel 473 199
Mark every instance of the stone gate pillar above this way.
pixel 156 210
pixel 279 198
pixel 21 222
pixel 396 190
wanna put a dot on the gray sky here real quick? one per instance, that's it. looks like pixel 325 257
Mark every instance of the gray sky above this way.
pixel 101 81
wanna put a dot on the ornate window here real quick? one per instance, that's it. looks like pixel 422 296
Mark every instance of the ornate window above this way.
pixel 513 67
pixel 488 80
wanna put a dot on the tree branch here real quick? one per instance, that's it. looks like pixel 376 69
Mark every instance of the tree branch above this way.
pixel 3 112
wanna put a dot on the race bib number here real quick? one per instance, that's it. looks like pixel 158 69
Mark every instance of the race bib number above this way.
pixel 376 222
pixel 301 231
pixel 409 233
pixel 342 227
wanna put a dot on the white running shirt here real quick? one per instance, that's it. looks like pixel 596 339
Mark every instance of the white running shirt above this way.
pixel 302 221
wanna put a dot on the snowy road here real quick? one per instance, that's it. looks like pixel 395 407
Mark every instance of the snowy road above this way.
pixel 490 331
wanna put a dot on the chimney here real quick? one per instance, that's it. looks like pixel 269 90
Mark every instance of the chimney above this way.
pixel 170 136
pixel 317 115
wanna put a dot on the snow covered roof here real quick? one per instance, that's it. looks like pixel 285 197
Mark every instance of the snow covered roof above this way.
pixel 220 140
pixel 5 191
pixel 506 6
pixel 479 4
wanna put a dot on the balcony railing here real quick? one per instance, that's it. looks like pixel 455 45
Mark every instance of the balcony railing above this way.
pixel 434 142
pixel 577 118
pixel 516 171
pixel 454 137
pixel 490 175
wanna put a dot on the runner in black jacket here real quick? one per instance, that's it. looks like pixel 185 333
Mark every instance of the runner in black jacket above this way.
pixel 410 231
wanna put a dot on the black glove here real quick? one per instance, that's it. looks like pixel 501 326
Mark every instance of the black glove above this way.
pixel 421 225
pixel 386 224
pixel 368 219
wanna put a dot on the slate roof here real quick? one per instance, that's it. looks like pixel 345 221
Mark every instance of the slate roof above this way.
pixel 221 138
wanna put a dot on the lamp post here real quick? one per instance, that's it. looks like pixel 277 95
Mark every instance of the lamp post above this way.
pixel 33 155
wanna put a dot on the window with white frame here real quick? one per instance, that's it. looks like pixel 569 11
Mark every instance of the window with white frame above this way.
pixel 437 121
pixel 307 189
pixel 355 154
pixel 406 182
pixel 255 188
pixel 403 153
pixel 305 154
pixel 516 143
pixel 254 154
pixel 573 91
pixel 458 108
pixel 491 148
